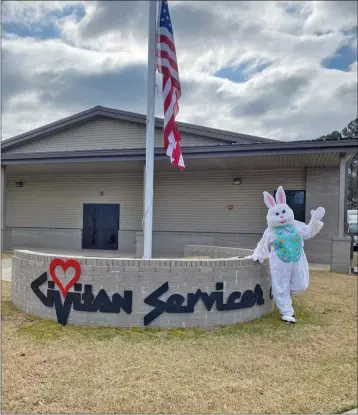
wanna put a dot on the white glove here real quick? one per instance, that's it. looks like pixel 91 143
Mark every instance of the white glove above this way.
pixel 253 257
pixel 317 215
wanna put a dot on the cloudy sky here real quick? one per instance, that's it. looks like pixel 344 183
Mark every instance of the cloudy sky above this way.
pixel 279 69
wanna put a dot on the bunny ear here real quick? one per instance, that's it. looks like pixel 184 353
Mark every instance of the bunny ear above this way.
pixel 269 200
pixel 280 196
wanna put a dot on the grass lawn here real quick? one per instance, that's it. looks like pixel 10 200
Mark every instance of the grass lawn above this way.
pixel 260 367
pixel 6 255
pixel 355 257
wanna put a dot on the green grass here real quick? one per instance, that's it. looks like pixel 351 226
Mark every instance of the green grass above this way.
pixel 355 258
pixel 46 330
pixel 8 308
pixel 263 366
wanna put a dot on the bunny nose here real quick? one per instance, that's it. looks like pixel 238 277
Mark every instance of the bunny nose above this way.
pixel 281 217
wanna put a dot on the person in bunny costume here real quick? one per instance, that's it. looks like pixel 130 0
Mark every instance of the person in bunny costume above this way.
pixel 282 243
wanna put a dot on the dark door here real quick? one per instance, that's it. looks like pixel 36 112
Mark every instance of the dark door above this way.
pixel 100 226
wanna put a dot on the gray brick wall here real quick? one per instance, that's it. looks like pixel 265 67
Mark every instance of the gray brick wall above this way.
pixel 341 254
pixel 172 243
pixel 215 251
pixel 27 238
pixel 322 189
pixel 143 277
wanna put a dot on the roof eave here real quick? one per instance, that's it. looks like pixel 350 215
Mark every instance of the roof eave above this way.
pixel 348 146
pixel 73 120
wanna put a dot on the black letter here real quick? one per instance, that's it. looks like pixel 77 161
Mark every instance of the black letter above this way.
pixel 174 304
pixel 231 303
pixel 62 310
pixel 153 300
pixel 35 286
pixel 124 302
pixel 259 295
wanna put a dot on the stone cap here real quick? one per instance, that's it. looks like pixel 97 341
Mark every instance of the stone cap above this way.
pixel 139 262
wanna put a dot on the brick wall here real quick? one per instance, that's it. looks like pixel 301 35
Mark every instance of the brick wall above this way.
pixel 32 238
pixel 172 243
pixel 322 189
pixel 143 277
pixel 215 251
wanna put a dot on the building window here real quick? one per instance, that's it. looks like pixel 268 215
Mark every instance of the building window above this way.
pixel 296 200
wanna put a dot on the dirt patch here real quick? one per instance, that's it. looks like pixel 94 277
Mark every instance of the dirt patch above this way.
pixel 263 366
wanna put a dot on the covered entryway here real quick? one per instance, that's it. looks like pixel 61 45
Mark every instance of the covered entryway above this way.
pixel 100 226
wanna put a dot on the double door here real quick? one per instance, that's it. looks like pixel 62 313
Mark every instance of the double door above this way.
pixel 100 226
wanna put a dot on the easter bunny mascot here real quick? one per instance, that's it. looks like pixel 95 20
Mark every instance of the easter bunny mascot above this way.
pixel 282 243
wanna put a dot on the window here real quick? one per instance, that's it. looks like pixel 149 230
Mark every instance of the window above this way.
pixel 296 200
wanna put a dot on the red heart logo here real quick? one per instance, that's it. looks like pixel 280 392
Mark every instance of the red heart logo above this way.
pixel 65 265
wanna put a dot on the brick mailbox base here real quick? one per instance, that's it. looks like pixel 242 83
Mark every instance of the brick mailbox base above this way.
pixel 138 292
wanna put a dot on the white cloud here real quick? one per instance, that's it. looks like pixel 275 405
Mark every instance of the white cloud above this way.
pixel 34 12
pixel 293 98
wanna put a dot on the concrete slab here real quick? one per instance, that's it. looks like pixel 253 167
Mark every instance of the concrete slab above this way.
pixel 319 267
pixel 6 269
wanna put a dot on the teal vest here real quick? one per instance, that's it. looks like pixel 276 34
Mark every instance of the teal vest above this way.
pixel 288 246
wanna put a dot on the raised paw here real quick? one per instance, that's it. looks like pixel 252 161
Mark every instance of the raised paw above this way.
pixel 318 214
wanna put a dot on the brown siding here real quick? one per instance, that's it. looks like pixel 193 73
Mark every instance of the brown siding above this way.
pixel 104 134
pixel 199 202
pixel 55 201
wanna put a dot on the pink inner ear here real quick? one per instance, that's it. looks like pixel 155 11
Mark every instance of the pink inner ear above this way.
pixel 270 200
pixel 281 197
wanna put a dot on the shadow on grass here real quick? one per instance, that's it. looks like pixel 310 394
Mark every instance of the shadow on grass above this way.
pixel 8 308
pixel 269 325
pixel 345 409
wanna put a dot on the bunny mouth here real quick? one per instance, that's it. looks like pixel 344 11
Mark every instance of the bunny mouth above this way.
pixel 283 221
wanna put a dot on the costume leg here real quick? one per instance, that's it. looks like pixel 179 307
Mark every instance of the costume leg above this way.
pixel 300 276
pixel 281 282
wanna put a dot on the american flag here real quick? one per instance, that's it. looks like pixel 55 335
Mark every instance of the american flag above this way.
pixel 167 66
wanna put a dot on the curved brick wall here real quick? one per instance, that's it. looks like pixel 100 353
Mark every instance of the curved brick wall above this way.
pixel 215 251
pixel 137 292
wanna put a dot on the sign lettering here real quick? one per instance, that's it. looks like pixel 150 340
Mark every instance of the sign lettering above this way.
pixel 83 299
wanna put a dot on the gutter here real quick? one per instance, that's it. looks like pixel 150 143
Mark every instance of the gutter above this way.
pixel 231 150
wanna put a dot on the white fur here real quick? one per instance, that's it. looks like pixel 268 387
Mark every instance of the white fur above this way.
pixel 287 278
pixel 279 213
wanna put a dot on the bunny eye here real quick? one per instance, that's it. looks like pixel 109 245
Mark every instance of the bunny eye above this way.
pixel 283 211
pixel 277 213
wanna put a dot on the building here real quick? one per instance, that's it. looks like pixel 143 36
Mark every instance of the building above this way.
pixel 78 184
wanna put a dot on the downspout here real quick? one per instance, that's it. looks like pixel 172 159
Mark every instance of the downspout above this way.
pixel 343 185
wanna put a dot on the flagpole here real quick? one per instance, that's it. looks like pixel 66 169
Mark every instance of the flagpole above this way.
pixel 149 167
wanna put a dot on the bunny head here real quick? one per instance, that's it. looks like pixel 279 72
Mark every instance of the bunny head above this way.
pixel 279 213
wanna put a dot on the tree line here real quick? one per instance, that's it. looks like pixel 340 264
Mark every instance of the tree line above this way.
pixel 348 133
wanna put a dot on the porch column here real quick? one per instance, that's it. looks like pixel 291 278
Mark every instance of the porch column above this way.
pixel 140 235
pixel 2 208
pixel 341 245
pixel 343 186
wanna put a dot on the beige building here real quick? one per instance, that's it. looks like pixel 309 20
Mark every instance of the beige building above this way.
pixel 78 184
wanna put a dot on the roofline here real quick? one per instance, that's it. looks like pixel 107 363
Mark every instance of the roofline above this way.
pixel 234 150
pixel 97 111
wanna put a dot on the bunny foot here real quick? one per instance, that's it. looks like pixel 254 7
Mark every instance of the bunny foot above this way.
pixel 289 319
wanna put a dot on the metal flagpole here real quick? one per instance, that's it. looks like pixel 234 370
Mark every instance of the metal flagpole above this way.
pixel 149 170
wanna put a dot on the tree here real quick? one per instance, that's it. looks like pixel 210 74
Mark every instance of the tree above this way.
pixel 348 133
pixel 351 131
pixel 353 185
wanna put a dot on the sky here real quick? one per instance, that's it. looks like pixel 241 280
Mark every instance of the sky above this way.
pixel 284 70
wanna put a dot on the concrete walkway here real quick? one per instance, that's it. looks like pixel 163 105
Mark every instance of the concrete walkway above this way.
pixel 6 266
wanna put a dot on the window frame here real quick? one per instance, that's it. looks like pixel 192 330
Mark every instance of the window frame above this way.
pixel 294 206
